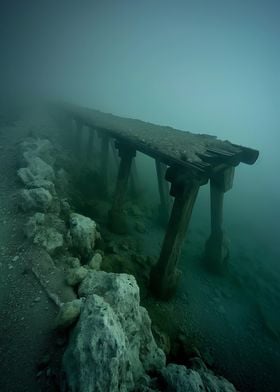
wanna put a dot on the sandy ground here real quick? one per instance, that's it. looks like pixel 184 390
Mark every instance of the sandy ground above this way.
pixel 26 313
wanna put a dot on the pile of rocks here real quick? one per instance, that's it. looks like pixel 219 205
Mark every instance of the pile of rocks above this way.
pixel 111 345
pixel 111 348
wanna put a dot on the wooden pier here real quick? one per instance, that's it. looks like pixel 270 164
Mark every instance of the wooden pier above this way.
pixel 185 160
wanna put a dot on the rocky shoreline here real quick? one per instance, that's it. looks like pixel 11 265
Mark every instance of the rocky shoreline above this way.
pixel 110 345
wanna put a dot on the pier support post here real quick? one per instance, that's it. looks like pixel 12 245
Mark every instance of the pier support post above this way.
pixel 216 248
pixel 104 164
pixel 134 180
pixel 116 219
pixel 78 137
pixel 163 188
pixel 89 153
pixel 184 188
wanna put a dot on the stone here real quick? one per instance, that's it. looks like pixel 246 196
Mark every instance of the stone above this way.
pixel 111 346
pixel 162 339
pixel 180 379
pixel 41 183
pixel 62 180
pixel 41 148
pixel 50 239
pixel 37 169
pixel 35 199
pixel 82 234
pixel 76 275
pixel 95 262
pixel 68 314
pixel 134 210
pixel 73 262
pixel 140 227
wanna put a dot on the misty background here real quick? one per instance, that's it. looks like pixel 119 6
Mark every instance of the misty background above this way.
pixel 203 66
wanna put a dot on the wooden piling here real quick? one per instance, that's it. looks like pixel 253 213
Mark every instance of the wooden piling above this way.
pixel 90 144
pixel 134 180
pixel 78 137
pixel 216 248
pixel 104 164
pixel 116 219
pixel 163 188
pixel 164 275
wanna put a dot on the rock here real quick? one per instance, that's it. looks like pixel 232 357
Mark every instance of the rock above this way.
pixel 82 234
pixel 47 237
pixel 140 227
pixel 62 180
pixel 95 262
pixel 111 346
pixel 37 169
pixel 35 199
pixel 180 379
pixel 215 383
pixel 68 313
pixel 162 339
pixel 76 275
pixel 31 148
pixel 65 207
pixel 134 210
pixel 34 224
pixel 50 239
pixel 39 183
pixel 73 262
pixel 44 361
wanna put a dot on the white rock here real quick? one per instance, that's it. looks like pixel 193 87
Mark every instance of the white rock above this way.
pixel 39 183
pixel 111 346
pixel 41 148
pixel 35 199
pixel 76 275
pixel 180 379
pixel 50 239
pixel 34 224
pixel 73 262
pixel 82 233
pixel 68 313
pixel 95 262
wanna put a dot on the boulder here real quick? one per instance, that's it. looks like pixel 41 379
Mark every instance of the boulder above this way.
pixel 180 379
pixel 36 169
pixel 49 239
pixel 76 275
pixel 82 235
pixel 38 199
pixel 41 148
pixel 39 183
pixel 111 346
pixel 34 224
pixel 95 262
pixel 68 313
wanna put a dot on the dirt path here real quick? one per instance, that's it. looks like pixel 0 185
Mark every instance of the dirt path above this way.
pixel 26 313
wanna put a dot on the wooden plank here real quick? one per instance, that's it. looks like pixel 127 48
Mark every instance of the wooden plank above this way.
pixel 168 144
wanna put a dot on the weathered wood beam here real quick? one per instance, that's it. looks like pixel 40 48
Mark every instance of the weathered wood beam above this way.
pixel 134 180
pixel 216 248
pixel 116 219
pixel 164 275
pixel 104 163
pixel 90 145
pixel 163 188
pixel 78 136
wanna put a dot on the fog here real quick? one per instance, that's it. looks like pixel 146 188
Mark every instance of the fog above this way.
pixel 210 67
